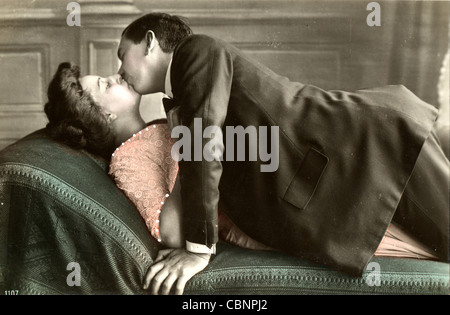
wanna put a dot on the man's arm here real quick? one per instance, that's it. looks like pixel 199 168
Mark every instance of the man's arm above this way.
pixel 202 72
pixel 201 78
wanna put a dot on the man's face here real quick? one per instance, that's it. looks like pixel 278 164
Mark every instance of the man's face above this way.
pixel 141 71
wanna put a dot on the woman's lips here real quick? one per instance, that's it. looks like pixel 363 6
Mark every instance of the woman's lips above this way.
pixel 126 83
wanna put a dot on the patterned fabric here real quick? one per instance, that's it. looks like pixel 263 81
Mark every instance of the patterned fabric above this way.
pixel 397 243
pixel 239 271
pixel 58 205
pixel 144 169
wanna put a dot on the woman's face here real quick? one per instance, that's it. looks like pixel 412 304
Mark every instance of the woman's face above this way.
pixel 112 93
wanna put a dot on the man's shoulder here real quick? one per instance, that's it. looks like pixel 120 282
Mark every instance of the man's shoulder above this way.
pixel 200 42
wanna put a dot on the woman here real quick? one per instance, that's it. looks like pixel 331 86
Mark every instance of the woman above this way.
pixel 102 116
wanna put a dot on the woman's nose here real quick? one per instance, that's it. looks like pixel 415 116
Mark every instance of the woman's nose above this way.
pixel 115 78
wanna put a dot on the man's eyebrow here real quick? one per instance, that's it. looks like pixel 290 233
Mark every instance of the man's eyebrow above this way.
pixel 119 53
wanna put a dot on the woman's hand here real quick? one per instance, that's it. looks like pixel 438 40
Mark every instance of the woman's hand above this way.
pixel 174 266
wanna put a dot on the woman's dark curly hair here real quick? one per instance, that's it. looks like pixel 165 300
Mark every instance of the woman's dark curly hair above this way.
pixel 74 117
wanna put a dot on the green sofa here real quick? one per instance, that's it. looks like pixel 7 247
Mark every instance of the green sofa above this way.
pixel 58 206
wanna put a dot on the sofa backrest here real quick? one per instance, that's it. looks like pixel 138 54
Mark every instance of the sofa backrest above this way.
pixel 62 219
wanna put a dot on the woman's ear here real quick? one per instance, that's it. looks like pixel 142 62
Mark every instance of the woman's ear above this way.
pixel 110 117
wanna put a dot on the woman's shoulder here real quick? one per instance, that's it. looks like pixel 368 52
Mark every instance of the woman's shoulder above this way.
pixel 154 142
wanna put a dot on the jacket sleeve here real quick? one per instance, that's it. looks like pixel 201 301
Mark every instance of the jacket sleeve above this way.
pixel 201 77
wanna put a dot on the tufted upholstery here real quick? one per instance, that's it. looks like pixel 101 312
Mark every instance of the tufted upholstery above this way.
pixel 58 205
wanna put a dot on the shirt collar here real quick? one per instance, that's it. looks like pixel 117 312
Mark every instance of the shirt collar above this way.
pixel 168 85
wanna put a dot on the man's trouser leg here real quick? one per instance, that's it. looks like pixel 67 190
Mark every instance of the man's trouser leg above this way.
pixel 424 208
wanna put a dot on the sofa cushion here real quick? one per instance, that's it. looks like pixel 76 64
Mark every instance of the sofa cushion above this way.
pixel 58 206
pixel 240 271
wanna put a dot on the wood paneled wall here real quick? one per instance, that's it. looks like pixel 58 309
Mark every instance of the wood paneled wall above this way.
pixel 326 43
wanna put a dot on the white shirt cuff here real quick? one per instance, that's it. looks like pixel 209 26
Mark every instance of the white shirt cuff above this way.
pixel 200 248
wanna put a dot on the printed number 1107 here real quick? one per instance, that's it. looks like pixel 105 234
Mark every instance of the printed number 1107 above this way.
pixel 11 292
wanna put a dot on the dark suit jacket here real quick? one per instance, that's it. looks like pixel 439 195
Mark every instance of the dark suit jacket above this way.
pixel 345 158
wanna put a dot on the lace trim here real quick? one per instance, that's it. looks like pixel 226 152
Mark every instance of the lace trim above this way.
pixel 143 168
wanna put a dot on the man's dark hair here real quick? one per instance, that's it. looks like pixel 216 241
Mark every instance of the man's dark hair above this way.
pixel 168 29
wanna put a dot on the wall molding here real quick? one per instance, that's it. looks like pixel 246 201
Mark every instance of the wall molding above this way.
pixel 92 12
pixel 197 12
pixel 42 52
pixel 108 46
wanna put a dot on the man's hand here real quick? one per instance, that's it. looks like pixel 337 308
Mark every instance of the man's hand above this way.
pixel 174 266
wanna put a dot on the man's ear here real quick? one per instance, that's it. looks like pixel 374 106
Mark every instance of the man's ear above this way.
pixel 150 40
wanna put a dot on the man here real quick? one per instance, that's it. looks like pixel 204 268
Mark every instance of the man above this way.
pixel 349 163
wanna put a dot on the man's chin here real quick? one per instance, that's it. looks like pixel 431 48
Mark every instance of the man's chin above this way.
pixel 134 91
pixel 137 91
pixel 144 91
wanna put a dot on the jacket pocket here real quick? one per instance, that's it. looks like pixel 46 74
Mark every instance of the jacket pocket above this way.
pixel 306 179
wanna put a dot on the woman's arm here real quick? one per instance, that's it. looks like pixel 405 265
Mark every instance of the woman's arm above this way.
pixel 171 219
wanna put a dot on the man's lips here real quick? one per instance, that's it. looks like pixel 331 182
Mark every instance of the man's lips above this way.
pixel 130 86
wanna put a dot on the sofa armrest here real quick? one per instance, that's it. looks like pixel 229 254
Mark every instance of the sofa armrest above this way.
pixel 58 206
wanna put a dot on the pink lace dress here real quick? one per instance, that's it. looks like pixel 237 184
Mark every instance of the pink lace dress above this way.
pixel 143 168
